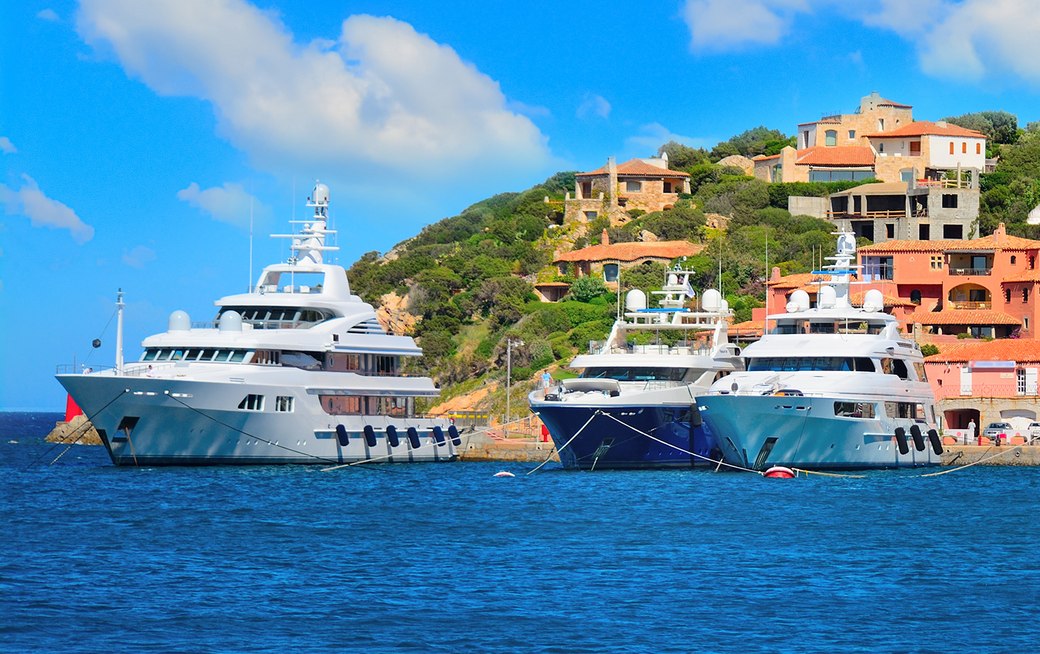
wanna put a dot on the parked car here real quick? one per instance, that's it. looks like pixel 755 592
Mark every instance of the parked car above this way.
pixel 1034 431
pixel 998 430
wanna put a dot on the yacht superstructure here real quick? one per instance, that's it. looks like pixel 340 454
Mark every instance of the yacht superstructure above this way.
pixel 829 387
pixel 633 404
pixel 297 370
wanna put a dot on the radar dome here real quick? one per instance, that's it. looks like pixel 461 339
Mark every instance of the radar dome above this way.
pixel 827 297
pixel 799 301
pixel 179 321
pixel 230 321
pixel 874 301
pixel 320 194
pixel 711 300
pixel 635 300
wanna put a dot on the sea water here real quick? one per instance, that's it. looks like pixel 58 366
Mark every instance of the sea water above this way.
pixel 450 558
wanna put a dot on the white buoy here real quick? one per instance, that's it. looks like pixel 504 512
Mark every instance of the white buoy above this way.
pixel 503 473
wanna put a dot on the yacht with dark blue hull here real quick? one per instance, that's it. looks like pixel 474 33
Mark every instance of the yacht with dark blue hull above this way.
pixel 633 404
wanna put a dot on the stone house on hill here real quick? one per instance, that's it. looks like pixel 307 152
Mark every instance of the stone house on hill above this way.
pixel 615 189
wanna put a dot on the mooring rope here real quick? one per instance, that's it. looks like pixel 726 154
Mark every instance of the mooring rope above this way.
pixel 83 428
pixel 973 463
pixel 569 441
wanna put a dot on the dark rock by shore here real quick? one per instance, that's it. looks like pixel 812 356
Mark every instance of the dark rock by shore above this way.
pixel 77 431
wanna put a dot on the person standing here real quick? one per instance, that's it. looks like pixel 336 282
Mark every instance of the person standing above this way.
pixel 546 383
pixel 971 431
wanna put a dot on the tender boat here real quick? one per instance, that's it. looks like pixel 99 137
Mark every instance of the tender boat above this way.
pixel 829 387
pixel 297 370
pixel 633 404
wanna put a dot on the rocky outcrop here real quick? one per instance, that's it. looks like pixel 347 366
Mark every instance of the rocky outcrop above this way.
pixel 393 315
pixel 76 431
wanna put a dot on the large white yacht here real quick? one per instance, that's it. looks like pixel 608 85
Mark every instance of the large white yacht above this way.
pixel 830 387
pixel 298 370
pixel 632 403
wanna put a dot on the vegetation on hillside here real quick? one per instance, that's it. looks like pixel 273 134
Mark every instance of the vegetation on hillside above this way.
pixel 470 277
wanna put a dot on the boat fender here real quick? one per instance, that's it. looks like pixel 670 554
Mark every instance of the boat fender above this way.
pixel 933 437
pixel 413 437
pixel 391 435
pixel 438 434
pixel 695 416
pixel 504 473
pixel 915 433
pixel 779 472
pixel 904 447
pixel 342 435
pixel 370 436
pixel 453 431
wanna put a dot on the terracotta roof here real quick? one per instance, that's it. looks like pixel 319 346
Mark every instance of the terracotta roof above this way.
pixel 1023 277
pixel 808 283
pixel 795 280
pixel 746 328
pixel 890 103
pixel 638 168
pixel 840 155
pixel 963 317
pixel 552 285
pixel 926 128
pixel 632 251
pixel 1002 349
pixel 995 241
pixel 858 297
pixel 763 157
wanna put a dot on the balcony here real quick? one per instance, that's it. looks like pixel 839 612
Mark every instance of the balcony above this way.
pixel 981 272
pixel 978 306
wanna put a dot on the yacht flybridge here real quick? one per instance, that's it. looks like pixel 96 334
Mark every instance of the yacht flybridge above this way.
pixel 298 370
pixel 830 387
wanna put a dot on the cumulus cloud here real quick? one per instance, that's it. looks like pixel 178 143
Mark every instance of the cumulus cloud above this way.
pixel 138 257
pixel 653 135
pixel 42 211
pixel 6 146
pixel 972 39
pixel 730 24
pixel 382 98
pixel 229 203
pixel 593 105
pixel 48 15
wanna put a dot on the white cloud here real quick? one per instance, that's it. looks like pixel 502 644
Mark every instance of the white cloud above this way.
pixel 6 146
pixel 382 99
pixel 653 135
pixel 138 257
pixel 48 15
pixel 732 24
pixel 593 105
pixel 229 203
pixel 42 211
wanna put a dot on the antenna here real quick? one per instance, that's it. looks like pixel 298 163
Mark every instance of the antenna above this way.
pixel 765 320
pixel 249 284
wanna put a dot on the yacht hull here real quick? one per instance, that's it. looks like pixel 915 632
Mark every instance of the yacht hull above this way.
pixel 633 436
pixel 757 432
pixel 162 422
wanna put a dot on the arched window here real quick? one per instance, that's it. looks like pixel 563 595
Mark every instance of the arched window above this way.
pixel 915 296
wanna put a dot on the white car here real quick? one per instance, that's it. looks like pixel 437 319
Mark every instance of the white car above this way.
pixel 1034 431
pixel 997 430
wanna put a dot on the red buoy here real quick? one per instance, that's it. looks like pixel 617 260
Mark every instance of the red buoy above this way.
pixel 779 472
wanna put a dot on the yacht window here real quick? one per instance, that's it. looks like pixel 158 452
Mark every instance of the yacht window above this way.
pixel 192 354
pixel 791 364
pixel 177 355
pixel 149 355
pixel 341 405
pixel 207 355
pixel 237 356
pixel 635 374
pixel 854 409
pixel 919 368
pixel 283 403
pixel 252 402
pixel 821 328
pixel 913 410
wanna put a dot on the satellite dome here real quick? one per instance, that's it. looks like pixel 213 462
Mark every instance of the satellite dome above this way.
pixel 874 301
pixel 179 321
pixel 711 300
pixel 230 321
pixel 635 300
pixel 827 297
pixel 799 301
pixel 320 194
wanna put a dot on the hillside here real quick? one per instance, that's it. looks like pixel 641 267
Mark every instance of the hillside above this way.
pixel 464 285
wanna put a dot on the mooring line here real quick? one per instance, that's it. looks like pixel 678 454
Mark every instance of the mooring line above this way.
pixel 569 441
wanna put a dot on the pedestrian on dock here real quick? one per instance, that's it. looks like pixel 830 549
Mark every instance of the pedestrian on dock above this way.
pixel 546 382
pixel 971 432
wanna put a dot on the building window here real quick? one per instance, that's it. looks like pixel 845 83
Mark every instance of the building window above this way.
pixel 1025 294
pixel 964 148
pixel 949 201
pixel 591 215
pixel 906 176
pixel 915 148
pixel 852 134
pixel 830 137
pixel 610 272
pixel 937 261
pixel 953 232
pixel 1013 258
pixel 978 148
pixel 1032 261
pixel 881 147
pixel 881 124
pixel 1025 324
pixel 923 232
pixel 668 187
pixel 890 230
pixel 805 139
pixel 283 403
pixel 1020 379
pixel 633 187
pixel 951 147
pixel 915 296
pixel 1007 295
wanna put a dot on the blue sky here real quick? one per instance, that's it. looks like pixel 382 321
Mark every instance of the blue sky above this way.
pixel 137 138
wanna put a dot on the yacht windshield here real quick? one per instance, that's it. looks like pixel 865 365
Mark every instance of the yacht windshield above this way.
pixel 786 364
pixel 635 374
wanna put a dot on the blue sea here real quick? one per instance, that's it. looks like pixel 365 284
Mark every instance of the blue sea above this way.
pixel 449 558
